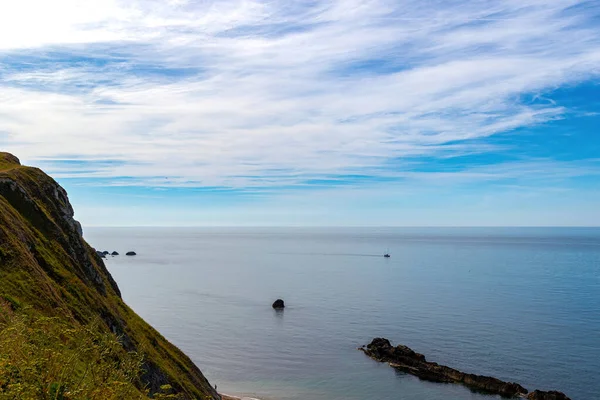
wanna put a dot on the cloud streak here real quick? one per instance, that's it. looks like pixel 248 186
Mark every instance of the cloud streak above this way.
pixel 248 94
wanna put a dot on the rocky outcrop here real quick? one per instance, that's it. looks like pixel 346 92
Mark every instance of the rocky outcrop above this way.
pixel 47 266
pixel 279 304
pixel 551 395
pixel 41 201
pixel 131 253
pixel 114 253
pixel 403 358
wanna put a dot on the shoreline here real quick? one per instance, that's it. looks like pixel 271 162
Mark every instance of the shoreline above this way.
pixel 230 397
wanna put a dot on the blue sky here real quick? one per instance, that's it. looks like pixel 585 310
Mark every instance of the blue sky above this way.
pixel 374 112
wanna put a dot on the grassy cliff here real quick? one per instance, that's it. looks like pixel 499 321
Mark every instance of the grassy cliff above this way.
pixel 53 284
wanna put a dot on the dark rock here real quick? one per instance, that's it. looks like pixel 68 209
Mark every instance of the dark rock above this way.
pixel 279 304
pixel 114 253
pixel 405 359
pixel 551 395
pixel 130 253
pixel 78 227
pixel 100 254
pixel 105 252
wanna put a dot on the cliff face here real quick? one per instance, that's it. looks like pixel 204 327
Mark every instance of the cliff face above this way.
pixel 45 263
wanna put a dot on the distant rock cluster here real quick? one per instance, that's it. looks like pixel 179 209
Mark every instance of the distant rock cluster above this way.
pixel 103 254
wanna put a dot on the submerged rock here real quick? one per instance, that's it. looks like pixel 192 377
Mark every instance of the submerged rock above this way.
pixel 405 359
pixel 551 395
pixel 278 304
pixel 131 253
pixel 114 253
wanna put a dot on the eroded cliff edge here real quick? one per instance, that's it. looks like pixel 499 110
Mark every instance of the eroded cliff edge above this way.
pixel 46 264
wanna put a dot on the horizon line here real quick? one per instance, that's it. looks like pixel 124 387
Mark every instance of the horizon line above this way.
pixel 347 226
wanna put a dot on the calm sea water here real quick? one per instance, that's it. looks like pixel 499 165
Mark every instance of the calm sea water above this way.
pixel 519 304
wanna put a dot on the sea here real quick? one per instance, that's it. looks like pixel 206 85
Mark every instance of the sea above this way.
pixel 519 304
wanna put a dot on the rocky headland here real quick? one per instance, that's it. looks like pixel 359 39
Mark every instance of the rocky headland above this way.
pixel 52 281
pixel 405 359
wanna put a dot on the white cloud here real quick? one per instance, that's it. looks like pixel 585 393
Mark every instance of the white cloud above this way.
pixel 271 93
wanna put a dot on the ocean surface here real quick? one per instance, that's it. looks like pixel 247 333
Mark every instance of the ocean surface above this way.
pixel 520 304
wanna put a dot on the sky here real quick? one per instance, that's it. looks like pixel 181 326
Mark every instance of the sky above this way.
pixel 308 112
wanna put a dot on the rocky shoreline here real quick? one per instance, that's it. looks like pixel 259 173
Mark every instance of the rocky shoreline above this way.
pixel 405 359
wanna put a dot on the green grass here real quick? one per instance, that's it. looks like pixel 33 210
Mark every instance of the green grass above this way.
pixel 48 358
pixel 8 161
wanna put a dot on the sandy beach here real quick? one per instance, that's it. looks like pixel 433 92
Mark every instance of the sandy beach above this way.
pixel 229 397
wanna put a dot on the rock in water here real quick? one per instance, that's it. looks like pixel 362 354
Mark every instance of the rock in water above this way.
pixel 131 253
pixel 100 254
pixel 405 359
pixel 551 395
pixel 279 304
pixel 105 252
pixel 114 253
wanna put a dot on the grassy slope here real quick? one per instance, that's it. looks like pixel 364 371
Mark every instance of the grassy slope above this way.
pixel 45 264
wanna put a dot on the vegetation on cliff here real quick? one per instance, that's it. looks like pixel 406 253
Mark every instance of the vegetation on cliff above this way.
pixel 60 310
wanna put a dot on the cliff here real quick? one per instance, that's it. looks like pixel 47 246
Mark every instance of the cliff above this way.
pixel 49 272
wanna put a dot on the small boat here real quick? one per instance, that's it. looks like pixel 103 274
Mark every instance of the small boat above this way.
pixel 387 254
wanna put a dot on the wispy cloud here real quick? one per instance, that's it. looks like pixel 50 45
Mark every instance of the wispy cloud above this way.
pixel 261 94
